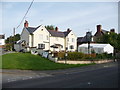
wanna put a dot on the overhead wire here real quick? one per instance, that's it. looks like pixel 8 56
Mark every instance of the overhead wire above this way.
pixel 25 14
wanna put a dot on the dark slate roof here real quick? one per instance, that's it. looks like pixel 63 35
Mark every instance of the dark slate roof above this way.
pixel 101 33
pixel 52 32
pixel 58 33
pixel 82 39
pixel 32 29
pixel 105 31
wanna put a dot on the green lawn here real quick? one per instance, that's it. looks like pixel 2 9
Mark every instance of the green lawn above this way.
pixel 28 61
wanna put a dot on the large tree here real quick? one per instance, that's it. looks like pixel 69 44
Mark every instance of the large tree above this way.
pixel 50 27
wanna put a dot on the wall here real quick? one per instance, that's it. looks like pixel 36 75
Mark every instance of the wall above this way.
pixel 69 43
pixel 2 41
pixel 40 37
pixel 108 49
pixel 57 40
pixel 25 36
pixel 85 62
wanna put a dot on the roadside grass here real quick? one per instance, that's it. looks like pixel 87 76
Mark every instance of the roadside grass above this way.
pixel 27 61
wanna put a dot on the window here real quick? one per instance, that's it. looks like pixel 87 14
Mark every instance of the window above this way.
pixel 68 39
pixel 71 47
pixel 41 46
pixel 47 37
pixel 72 39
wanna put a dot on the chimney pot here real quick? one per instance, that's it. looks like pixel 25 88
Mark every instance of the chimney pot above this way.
pixel 112 30
pixel 68 30
pixel 56 28
pixel 26 24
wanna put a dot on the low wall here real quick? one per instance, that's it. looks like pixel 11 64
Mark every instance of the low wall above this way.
pixel 85 62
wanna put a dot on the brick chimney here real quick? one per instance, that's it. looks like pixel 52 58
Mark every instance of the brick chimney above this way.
pixel 99 28
pixel 112 30
pixel 26 24
pixel 56 28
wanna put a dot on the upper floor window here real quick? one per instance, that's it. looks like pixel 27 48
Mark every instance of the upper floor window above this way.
pixel 68 39
pixel 72 39
pixel 47 37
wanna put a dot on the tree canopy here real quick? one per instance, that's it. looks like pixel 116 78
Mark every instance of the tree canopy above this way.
pixel 50 27
pixel 111 38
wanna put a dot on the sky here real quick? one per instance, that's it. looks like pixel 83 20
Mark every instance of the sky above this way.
pixel 80 17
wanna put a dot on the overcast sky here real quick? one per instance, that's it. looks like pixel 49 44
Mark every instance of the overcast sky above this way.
pixel 78 16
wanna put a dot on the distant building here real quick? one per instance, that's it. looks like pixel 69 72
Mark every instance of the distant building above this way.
pixel 100 32
pixel 97 48
pixel 2 40
pixel 81 40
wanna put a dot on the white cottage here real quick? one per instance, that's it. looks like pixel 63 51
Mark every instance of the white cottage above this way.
pixel 98 48
pixel 53 40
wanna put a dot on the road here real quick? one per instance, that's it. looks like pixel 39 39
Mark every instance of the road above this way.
pixel 94 76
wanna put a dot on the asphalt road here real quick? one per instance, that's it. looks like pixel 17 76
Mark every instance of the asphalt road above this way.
pixel 95 76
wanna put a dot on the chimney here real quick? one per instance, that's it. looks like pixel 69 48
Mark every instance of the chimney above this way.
pixel 56 28
pixel 26 24
pixel 99 28
pixel 68 30
pixel 112 30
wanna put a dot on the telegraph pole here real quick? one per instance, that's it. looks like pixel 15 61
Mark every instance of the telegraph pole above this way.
pixel 13 37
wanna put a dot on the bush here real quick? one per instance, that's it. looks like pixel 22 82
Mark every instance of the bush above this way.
pixel 75 55
pixel 82 56
pixel 61 55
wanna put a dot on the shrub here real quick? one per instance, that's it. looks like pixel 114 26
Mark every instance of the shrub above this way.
pixel 75 55
pixel 61 55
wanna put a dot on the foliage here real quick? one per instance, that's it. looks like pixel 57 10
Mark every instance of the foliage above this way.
pixel 32 62
pixel 10 41
pixel 82 56
pixel 50 27
pixel 111 38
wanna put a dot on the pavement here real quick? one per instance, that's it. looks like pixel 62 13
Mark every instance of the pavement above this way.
pixel 81 75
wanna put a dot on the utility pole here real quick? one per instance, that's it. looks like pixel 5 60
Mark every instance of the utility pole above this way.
pixel 13 37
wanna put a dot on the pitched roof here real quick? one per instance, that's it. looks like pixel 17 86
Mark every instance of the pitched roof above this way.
pixel 101 33
pixel 58 33
pixel 52 32
pixel 32 29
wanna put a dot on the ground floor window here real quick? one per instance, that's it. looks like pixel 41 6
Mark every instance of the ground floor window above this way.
pixel 41 46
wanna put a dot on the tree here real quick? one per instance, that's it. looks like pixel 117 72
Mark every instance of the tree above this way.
pixel 50 27
pixel 10 41
pixel 111 38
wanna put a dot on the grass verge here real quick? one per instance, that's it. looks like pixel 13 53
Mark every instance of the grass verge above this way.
pixel 27 61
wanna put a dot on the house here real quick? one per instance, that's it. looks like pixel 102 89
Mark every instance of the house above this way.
pixel 97 48
pixel 101 32
pixel 2 40
pixel 2 43
pixel 81 40
pixel 41 38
